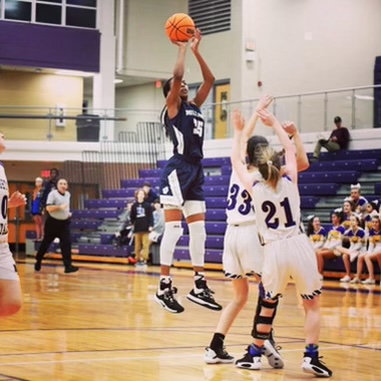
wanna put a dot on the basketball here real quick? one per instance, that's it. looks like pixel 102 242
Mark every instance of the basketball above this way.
pixel 180 27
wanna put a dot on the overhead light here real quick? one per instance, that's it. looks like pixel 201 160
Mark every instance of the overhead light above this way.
pixel 117 80
pixel 74 73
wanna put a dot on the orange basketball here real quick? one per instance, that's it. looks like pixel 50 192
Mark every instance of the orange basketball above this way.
pixel 180 27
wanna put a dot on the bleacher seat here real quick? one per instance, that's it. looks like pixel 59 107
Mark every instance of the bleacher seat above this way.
pixel 348 177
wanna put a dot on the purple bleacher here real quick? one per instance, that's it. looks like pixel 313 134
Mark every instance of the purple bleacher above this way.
pixel 153 172
pixel 217 180
pixel 377 188
pixel 308 202
pixel 118 193
pixel 103 250
pixel 345 165
pixel 349 177
pixel 215 227
pixel 215 215
pixel 85 224
pixel 107 238
pixel 216 190
pixel 208 162
pixel 96 213
pixel 138 183
pixel 215 202
pixel 226 170
pixel 106 203
pixel 350 155
pixel 318 189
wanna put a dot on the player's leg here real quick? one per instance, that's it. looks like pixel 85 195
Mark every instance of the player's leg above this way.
pixel 307 281
pixel 10 289
pixel 311 360
pixel 216 352
pixel 194 212
pixel 165 294
pixel 50 232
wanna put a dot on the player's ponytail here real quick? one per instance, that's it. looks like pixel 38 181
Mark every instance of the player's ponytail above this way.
pixel 269 165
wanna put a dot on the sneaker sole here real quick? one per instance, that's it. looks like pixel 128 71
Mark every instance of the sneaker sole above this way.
pixel 203 303
pixel 217 360
pixel 157 300
pixel 249 365
pixel 273 357
pixel 316 373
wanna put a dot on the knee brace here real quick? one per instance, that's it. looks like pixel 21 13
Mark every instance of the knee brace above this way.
pixel 172 232
pixel 266 320
pixel 197 237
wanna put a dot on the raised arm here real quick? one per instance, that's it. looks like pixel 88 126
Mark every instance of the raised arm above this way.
pixel 301 155
pixel 207 75
pixel 173 98
pixel 236 155
pixel 291 167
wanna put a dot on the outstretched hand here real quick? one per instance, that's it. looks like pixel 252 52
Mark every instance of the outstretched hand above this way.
pixel 289 127
pixel 267 118
pixel 180 44
pixel 195 40
pixel 238 120
pixel 264 102
pixel 16 199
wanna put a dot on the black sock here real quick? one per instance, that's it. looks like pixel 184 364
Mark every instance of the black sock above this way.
pixel 217 341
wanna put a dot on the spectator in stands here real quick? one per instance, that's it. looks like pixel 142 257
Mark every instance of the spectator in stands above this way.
pixel 357 245
pixel 151 195
pixel 338 140
pixel 57 225
pixel 334 239
pixel 316 232
pixel 158 223
pixel 359 202
pixel 36 208
pixel 373 253
pixel 348 209
pixel 371 209
pixel 50 185
pixel 182 179
pixel 142 222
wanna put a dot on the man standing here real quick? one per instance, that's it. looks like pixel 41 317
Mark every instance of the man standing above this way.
pixel 337 141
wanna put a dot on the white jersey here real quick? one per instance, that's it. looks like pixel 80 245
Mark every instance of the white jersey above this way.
pixel 278 211
pixel 4 194
pixel 239 209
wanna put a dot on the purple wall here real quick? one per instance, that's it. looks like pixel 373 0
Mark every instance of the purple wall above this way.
pixel 23 44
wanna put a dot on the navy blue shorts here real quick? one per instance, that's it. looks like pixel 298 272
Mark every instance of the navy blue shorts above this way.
pixel 181 181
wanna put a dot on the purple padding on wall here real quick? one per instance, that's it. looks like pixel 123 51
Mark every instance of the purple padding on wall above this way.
pixel 46 46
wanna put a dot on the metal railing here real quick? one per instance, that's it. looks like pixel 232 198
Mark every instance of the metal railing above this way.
pixel 359 107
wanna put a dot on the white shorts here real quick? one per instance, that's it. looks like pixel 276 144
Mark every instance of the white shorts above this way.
pixel 243 254
pixel 292 257
pixel 8 269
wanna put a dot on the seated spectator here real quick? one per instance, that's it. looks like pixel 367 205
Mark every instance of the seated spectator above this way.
pixel 373 253
pixel 151 195
pixel 158 223
pixel 334 239
pixel 348 210
pixel 371 209
pixel 338 140
pixel 357 241
pixel 316 233
pixel 359 202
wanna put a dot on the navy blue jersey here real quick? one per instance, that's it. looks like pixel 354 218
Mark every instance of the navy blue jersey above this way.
pixel 186 131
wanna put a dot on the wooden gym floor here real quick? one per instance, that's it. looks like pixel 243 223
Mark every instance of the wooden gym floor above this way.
pixel 103 324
